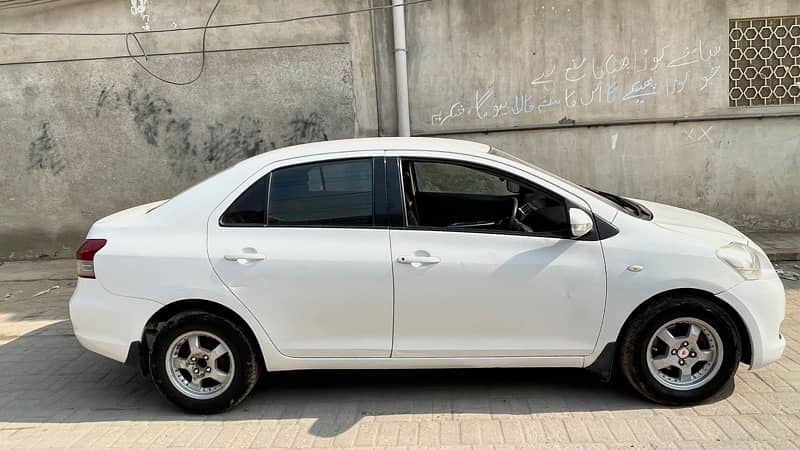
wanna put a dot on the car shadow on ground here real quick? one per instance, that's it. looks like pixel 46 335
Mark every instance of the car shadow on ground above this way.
pixel 48 377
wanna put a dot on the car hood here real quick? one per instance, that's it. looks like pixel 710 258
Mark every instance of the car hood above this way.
pixel 692 223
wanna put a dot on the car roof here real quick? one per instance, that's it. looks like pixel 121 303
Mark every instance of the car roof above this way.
pixel 376 143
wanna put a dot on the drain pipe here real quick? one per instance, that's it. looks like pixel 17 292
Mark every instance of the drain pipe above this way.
pixel 400 67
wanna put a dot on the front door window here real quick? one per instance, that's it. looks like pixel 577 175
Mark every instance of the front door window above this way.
pixel 454 196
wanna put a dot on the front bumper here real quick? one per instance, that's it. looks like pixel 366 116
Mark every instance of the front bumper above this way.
pixel 105 323
pixel 762 306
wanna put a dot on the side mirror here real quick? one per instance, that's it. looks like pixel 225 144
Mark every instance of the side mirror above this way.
pixel 580 222
pixel 512 187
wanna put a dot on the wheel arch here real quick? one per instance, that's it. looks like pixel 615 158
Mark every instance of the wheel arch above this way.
pixel 741 328
pixel 169 310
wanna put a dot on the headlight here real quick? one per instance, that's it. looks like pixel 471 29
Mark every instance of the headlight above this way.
pixel 742 258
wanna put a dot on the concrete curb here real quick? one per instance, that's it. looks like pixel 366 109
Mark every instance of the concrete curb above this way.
pixel 784 255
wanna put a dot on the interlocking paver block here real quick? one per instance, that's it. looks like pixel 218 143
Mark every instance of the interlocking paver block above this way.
pixel 55 394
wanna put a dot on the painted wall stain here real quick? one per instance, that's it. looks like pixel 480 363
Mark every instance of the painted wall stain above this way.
pixel 225 145
pixel 176 141
pixel 30 92
pixel 194 151
pixel 304 129
pixel 150 113
pixel 105 93
pixel 43 153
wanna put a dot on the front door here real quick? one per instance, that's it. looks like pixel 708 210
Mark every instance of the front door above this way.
pixel 485 268
pixel 301 250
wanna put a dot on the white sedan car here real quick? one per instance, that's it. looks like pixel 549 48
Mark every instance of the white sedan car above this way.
pixel 419 253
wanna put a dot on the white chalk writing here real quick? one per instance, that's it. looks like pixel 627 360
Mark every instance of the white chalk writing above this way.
pixel 583 81
pixel 697 135
pixel 139 8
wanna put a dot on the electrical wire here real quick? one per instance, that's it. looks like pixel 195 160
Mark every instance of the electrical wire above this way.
pixel 205 29
pixel 22 4
pixel 152 74
pixel 210 27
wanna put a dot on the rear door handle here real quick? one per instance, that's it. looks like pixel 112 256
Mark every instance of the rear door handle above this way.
pixel 419 259
pixel 245 257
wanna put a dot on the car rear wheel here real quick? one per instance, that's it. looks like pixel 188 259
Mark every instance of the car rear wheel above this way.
pixel 203 363
pixel 680 350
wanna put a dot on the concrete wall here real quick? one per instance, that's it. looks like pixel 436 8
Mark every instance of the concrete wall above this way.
pixel 565 84
pixel 745 172
pixel 86 132
pixel 523 71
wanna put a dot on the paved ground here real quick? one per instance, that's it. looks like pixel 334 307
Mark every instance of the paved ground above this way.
pixel 55 394
pixel 780 246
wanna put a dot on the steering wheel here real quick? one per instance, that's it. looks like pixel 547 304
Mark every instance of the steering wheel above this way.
pixel 518 214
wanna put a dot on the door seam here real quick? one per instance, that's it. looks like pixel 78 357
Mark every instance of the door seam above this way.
pixel 391 261
pixel 391 256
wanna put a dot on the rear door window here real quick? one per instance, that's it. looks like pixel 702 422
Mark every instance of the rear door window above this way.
pixel 331 193
pixel 249 209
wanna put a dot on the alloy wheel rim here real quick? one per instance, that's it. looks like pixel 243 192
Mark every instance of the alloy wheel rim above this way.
pixel 200 365
pixel 684 354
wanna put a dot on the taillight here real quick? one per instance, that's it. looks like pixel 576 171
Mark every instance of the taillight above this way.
pixel 85 256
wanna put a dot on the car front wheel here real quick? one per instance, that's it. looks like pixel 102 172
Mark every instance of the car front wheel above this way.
pixel 680 350
pixel 203 363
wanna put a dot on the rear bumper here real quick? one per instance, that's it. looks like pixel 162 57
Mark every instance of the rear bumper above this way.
pixel 762 305
pixel 105 323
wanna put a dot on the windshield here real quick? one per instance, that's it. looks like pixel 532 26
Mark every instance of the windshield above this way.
pixel 623 204
pixel 627 205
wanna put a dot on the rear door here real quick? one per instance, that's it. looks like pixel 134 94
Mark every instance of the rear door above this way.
pixel 303 247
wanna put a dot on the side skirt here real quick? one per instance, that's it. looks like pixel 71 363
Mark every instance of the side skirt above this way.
pixel 286 363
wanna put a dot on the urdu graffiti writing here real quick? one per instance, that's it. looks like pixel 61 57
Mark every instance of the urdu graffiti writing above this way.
pixel 613 79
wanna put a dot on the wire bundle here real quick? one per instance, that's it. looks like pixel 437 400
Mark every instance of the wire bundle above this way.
pixel 135 35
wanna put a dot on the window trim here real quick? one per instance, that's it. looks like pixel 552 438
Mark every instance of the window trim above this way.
pixel 395 209
pixel 494 171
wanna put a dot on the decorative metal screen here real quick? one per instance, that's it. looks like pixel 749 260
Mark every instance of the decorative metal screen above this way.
pixel 764 61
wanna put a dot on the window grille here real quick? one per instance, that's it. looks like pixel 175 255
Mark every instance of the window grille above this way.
pixel 764 61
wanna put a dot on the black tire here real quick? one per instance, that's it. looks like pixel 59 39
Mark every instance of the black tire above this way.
pixel 634 347
pixel 247 367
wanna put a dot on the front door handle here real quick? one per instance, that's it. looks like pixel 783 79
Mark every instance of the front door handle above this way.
pixel 245 257
pixel 419 259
